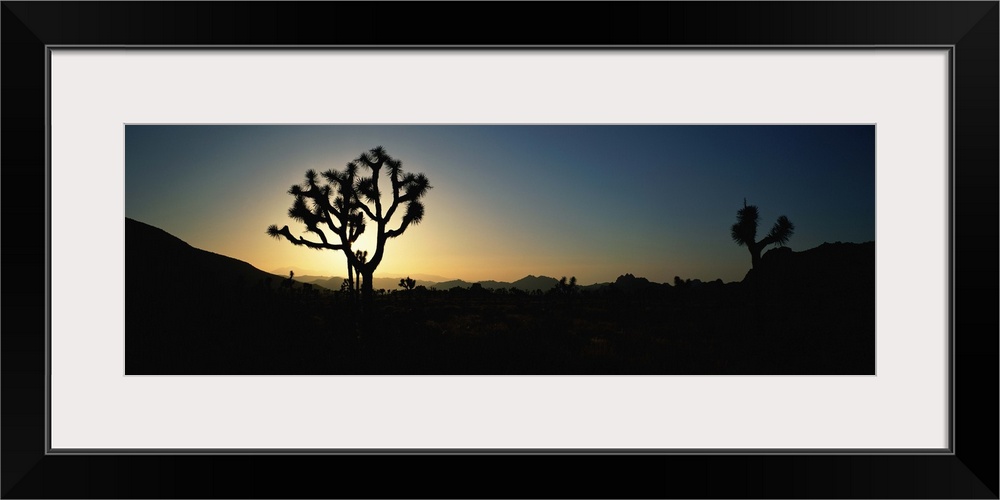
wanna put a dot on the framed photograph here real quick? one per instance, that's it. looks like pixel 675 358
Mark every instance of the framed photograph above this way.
pixel 731 251
pixel 194 306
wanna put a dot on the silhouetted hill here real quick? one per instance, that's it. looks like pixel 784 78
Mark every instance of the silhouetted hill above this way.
pixel 630 284
pixel 447 285
pixel 205 312
pixel 530 282
pixel 155 258
pixel 494 285
pixel 595 287
pixel 831 268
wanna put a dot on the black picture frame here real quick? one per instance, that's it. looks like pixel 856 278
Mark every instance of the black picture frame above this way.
pixel 970 28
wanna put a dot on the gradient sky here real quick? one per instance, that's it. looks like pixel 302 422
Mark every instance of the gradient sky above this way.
pixel 588 201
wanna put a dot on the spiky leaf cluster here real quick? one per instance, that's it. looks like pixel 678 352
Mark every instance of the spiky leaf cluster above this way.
pixel 338 205
pixel 782 230
pixel 744 232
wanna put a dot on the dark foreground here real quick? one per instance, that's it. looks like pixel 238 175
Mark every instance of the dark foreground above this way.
pixel 724 330
pixel 188 311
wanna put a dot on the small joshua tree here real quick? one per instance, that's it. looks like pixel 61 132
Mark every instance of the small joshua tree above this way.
pixel 337 205
pixel 744 232
pixel 564 287
pixel 407 283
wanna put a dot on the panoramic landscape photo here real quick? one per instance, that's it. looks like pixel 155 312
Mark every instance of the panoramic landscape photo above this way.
pixel 500 250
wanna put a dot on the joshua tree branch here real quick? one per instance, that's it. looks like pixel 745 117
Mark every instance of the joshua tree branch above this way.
pixel 367 211
pixel 329 222
pixel 392 233
pixel 395 196
pixel 395 203
pixel 356 229
pixel 274 232
pixel 320 233
pixel 375 191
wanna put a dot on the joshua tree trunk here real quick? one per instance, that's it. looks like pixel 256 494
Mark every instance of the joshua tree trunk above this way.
pixel 350 278
pixel 755 250
pixel 367 293
pixel 744 232
pixel 358 285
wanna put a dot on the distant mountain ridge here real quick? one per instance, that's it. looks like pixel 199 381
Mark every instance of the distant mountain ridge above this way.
pixel 155 256
pixel 528 283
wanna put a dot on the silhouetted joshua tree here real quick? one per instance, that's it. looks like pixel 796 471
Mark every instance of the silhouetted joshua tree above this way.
pixel 565 287
pixel 407 283
pixel 342 201
pixel 744 232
